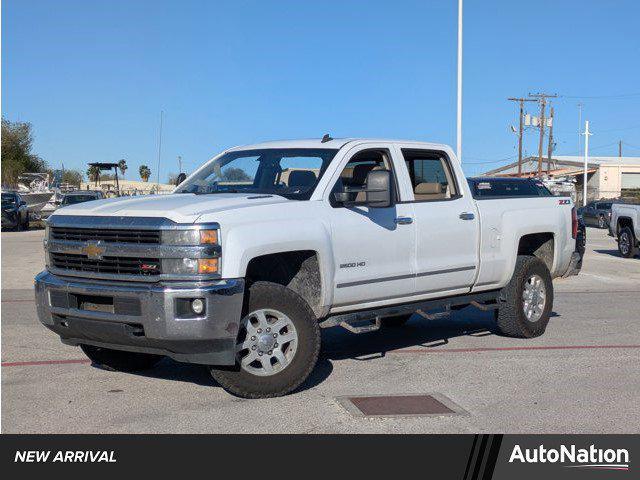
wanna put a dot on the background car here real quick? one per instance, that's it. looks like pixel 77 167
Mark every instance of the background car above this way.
pixel 14 211
pixel 80 197
pixel 596 214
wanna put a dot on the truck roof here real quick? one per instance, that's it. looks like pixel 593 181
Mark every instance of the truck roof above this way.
pixel 333 143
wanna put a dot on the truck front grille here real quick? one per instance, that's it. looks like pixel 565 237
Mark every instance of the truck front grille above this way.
pixel 113 265
pixel 106 235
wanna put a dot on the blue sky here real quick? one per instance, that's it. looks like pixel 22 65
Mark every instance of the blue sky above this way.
pixel 93 76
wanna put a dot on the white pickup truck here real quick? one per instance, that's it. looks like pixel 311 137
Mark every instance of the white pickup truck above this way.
pixel 240 267
pixel 625 227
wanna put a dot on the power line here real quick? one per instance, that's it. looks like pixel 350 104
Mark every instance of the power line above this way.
pixel 595 97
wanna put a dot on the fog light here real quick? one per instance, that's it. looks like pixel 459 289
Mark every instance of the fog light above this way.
pixel 197 306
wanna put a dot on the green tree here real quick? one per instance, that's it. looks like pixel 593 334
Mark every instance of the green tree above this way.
pixel 122 166
pixel 145 173
pixel 93 174
pixel 17 158
pixel 72 177
pixel 235 175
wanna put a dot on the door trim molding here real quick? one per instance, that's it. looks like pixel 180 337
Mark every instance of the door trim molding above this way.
pixel 403 277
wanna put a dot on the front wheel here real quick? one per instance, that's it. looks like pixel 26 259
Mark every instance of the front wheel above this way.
pixel 119 359
pixel 626 243
pixel 277 346
pixel 527 300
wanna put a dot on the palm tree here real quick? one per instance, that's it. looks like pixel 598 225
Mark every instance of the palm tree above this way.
pixel 145 173
pixel 93 173
pixel 122 165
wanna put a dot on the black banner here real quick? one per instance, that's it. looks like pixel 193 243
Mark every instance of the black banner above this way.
pixel 460 457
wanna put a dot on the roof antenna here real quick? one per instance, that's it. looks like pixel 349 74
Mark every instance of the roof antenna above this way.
pixel 326 138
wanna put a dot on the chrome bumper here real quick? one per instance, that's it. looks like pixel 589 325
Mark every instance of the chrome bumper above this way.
pixel 143 317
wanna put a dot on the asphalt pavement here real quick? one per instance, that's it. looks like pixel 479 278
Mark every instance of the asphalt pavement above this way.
pixel 582 376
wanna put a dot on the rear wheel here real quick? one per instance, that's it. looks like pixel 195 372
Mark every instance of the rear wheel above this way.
pixel 277 346
pixel 527 300
pixel 119 359
pixel 25 224
pixel 626 243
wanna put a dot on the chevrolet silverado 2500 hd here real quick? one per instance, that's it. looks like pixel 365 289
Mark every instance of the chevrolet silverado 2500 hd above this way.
pixel 240 267
pixel 625 226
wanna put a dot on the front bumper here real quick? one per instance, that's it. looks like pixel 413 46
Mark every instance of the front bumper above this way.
pixel 143 317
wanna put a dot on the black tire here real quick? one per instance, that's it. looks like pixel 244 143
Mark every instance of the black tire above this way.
pixel 510 318
pixel 120 360
pixel 396 321
pixel 25 225
pixel 267 295
pixel 627 243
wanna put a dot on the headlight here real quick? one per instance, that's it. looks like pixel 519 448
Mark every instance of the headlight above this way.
pixel 191 266
pixel 189 237
pixel 180 266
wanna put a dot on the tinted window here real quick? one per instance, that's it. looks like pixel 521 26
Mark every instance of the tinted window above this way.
pixel 431 176
pixel 73 199
pixel 603 206
pixel 506 188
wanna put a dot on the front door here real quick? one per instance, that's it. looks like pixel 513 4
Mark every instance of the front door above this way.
pixel 373 247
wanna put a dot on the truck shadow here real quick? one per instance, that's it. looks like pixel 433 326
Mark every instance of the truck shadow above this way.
pixel 613 253
pixel 339 344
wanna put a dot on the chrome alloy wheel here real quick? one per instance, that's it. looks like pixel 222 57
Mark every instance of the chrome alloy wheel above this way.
pixel 534 298
pixel 625 243
pixel 267 342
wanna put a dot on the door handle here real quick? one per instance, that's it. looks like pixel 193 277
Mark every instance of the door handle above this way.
pixel 404 220
pixel 467 216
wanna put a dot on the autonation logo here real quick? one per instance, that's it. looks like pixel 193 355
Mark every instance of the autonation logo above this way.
pixel 592 457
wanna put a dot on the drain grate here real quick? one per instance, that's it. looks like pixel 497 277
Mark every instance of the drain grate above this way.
pixel 429 405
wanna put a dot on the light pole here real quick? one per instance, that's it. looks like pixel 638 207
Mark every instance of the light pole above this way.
pixel 586 134
pixel 459 110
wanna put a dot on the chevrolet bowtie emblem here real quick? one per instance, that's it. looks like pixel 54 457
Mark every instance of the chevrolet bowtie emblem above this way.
pixel 94 250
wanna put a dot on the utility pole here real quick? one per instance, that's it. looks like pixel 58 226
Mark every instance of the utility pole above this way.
pixel 542 100
pixel 550 148
pixel 521 102
pixel 619 149
pixel 179 164
pixel 459 106
pixel 586 134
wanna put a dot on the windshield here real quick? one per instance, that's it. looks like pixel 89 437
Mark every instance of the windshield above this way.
pixel 73 199
pixel 290 172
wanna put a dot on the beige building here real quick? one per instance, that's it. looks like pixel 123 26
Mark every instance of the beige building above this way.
pixel 607 177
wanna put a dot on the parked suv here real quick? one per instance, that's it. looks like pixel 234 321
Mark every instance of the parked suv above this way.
pixel 243 264
pixel 596 214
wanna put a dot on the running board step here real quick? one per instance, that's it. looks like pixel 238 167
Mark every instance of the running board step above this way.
pixel 362 326
pixel 436 315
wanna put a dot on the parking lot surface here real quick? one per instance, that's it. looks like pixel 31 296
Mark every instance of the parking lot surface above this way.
pixel 582 376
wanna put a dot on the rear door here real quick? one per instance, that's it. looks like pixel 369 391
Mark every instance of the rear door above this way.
pixel 447 225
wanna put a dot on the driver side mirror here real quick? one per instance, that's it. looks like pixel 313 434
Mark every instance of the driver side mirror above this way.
pixel 378 192
pixel 379 189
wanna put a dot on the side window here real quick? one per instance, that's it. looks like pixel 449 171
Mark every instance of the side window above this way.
pixel 354 174
pixel 431 175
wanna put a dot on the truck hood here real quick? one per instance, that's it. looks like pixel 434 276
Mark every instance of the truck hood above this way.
pixel 181 208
